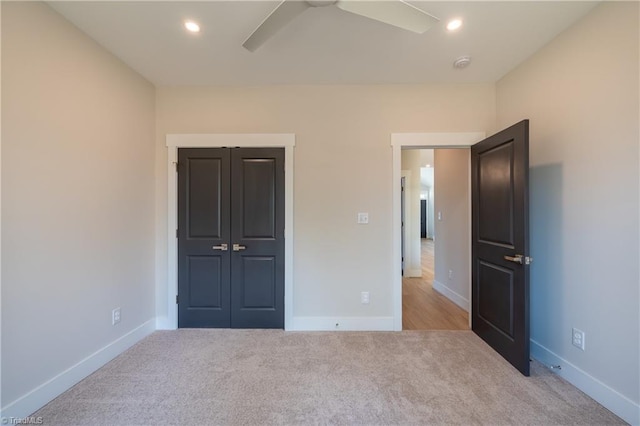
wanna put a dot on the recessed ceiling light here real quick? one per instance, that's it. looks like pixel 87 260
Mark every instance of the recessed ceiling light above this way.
pixel 454 24
pixel 192 26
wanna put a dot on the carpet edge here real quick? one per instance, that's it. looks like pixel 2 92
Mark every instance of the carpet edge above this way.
pixel 41 395
pixel 611 399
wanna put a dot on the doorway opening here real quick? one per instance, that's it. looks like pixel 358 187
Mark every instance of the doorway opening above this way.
pixel 407 141
pixel 498 244
pixel 435 281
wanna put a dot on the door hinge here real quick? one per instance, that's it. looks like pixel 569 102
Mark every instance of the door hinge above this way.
pixel 177 233
pixel 176 299
pixel 176 163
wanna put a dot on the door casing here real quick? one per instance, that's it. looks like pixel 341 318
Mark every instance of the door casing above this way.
pixel 218 140
pixel 287 141
pixel 419 141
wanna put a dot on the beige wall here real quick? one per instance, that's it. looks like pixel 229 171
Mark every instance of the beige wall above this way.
pixel 77 198
pixel 411 160
pixel 581 94
pixel 453 236
pixel 342 166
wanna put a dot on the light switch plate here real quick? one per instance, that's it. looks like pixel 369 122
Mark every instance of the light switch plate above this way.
pixel 363 218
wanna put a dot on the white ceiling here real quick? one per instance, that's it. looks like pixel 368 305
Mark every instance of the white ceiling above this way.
pixel 323 45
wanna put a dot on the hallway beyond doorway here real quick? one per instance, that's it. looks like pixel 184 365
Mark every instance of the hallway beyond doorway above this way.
pixel 423 308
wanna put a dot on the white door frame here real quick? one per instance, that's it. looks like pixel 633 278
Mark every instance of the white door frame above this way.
pixel 425 141
pixel 250 140
pixel 408 229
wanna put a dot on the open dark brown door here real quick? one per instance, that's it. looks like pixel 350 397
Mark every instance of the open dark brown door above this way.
pixel 500 243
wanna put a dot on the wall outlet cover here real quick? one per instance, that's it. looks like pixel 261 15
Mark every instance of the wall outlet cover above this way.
pixel 577 338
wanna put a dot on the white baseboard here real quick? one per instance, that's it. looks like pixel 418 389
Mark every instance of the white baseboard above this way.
pixel 43 394
pixel 456 298
pixel 613 400
pixel 412 273
pixel 163 323
pixel 342 324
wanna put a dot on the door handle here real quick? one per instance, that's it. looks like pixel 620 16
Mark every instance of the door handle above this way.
pixel 515 259
pixel 238 247
pixel 519 259
pixel 221 247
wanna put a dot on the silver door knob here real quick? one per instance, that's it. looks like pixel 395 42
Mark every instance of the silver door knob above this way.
pixel 221 247
pixel 238 247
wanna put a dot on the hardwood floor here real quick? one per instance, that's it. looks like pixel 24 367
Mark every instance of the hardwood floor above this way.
pixel 423 308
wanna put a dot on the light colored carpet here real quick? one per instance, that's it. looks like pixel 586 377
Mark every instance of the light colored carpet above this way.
pixel 258 377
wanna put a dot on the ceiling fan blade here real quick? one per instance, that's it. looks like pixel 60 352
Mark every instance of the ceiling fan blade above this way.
pixel 395 12
pixel 278 18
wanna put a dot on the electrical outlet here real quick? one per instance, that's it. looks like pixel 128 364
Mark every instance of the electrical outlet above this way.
pixel 450 274
pixel 577 338
pixel 364 297
pixel 115 316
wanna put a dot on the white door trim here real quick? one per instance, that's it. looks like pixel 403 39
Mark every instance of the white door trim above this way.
pixel 426 141
pixel 411 269
pixel 251 140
